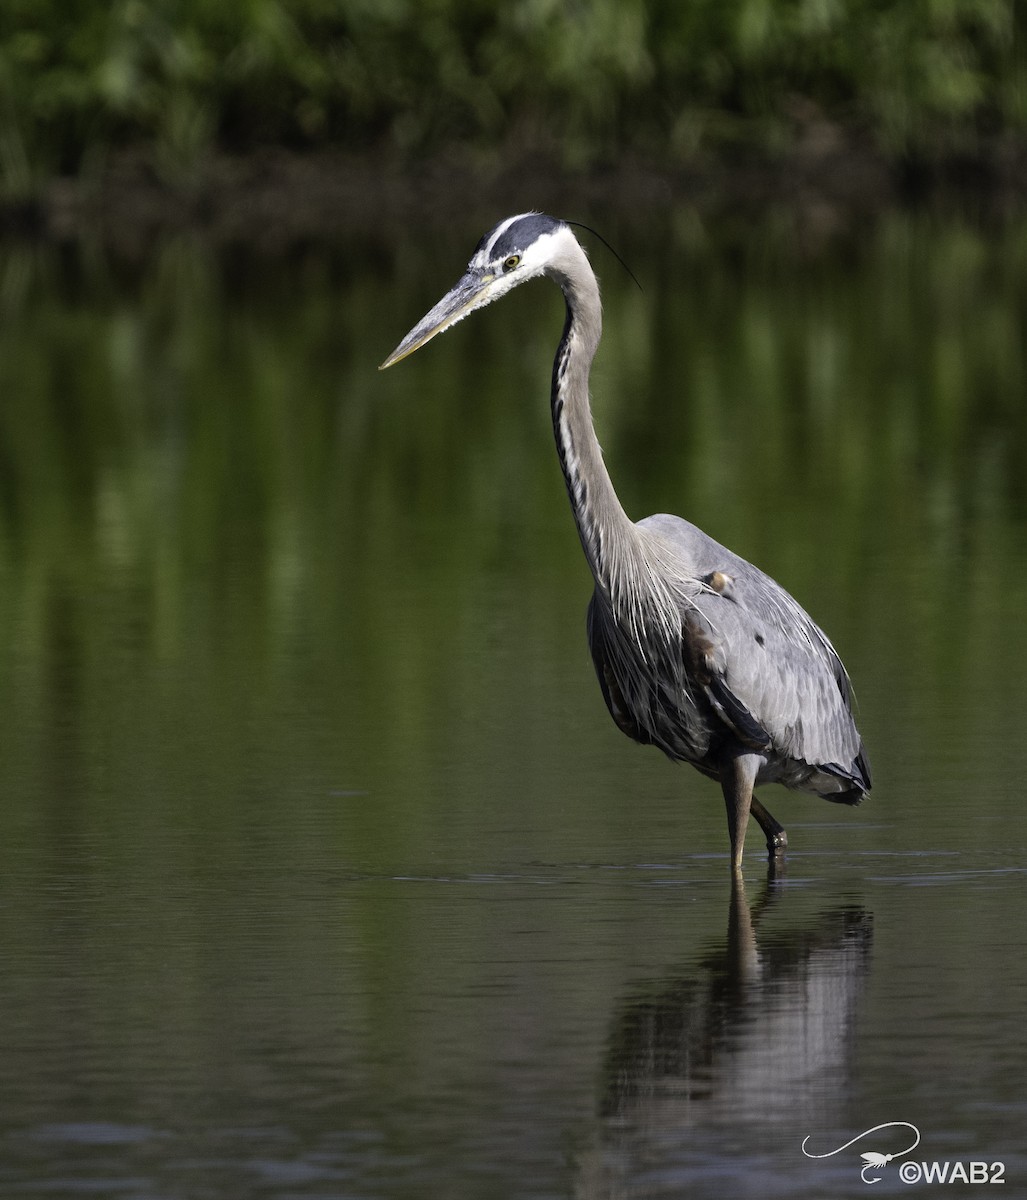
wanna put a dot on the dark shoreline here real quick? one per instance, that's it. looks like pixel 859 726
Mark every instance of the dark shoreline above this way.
pixel 276 198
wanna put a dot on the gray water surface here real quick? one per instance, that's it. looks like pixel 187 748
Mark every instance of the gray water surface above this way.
pixel 323 872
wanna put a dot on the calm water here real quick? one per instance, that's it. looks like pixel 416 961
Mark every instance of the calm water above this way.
pixel 323 872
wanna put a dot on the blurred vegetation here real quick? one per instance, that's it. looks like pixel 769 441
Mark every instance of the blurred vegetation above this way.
pixel 579 82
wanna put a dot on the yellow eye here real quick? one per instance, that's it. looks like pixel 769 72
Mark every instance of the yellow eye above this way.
pixel 511 262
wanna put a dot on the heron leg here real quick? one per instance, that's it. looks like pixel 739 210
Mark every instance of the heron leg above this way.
pixel 737 780
pixel 777 839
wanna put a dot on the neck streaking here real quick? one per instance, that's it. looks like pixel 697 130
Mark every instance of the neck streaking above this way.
pixel 642 580
pixel 612 543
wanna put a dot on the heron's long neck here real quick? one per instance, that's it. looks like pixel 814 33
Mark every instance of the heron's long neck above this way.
pixel 609 538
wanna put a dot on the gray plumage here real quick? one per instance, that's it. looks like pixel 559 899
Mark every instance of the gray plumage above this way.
pixel 697 651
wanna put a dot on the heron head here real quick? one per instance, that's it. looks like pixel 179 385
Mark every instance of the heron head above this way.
pixel 516 250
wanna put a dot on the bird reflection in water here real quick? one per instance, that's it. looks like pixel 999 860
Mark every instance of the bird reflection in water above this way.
pixel 714 1072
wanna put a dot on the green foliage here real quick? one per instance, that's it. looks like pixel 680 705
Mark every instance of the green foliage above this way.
pixel 582 80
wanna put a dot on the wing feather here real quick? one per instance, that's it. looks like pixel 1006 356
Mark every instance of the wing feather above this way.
pixel 766 667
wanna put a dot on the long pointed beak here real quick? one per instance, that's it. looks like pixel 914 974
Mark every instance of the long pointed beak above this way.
pixel 473 291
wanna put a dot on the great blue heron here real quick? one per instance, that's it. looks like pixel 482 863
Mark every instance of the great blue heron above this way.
pixel 697 651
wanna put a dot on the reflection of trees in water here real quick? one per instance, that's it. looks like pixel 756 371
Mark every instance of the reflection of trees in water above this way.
pixel 746 1048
